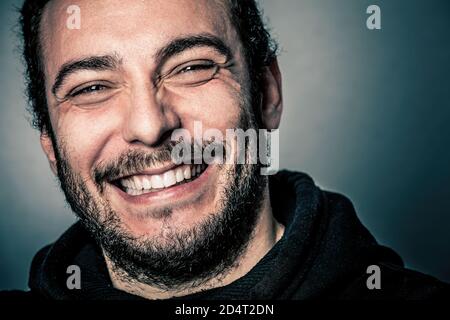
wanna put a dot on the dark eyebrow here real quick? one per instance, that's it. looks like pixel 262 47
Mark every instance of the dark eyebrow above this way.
pixel 179 45
pixel 98 63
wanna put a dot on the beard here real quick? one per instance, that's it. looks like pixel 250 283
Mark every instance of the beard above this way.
pixel 178 259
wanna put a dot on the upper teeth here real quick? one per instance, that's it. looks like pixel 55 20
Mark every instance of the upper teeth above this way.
pixel 139 184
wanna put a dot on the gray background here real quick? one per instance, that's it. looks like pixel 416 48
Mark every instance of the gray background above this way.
pixel 366 114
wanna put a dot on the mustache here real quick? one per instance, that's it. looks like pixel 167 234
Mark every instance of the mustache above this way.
pixel 133 161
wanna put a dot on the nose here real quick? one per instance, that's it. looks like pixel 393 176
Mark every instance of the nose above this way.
pixel 149 121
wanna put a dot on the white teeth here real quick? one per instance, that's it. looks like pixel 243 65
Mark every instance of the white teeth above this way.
pixel 157 182
pixel 179 174
pixel 187 173
pixel 140 184
pixel 146 183
pixel 137 183
pixel 131 183
pixel 169 178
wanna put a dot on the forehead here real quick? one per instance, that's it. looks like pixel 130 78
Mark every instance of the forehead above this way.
pixel 137 26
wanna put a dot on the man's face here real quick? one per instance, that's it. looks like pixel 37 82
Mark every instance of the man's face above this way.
pixel 117 88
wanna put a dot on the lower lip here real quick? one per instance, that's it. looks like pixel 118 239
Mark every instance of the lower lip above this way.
pixel 183 190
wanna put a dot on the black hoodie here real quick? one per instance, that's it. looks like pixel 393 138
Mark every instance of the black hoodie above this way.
pixel 323 254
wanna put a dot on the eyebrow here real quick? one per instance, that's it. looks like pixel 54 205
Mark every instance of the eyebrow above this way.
pixel 97 63
pixel 179 45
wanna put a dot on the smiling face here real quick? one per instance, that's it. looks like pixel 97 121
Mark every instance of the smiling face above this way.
pixel 116 89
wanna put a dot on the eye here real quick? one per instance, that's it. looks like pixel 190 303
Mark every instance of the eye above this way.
pixel 192 73
pixel 92 93
pixel 198 67
pixel 88 90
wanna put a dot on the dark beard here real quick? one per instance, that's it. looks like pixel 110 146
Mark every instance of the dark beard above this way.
pixel 186 259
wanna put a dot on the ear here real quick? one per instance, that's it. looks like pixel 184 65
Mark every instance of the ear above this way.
pixel 272 102
pixel 47 146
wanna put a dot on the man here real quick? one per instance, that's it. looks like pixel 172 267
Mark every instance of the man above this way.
pixel 108 96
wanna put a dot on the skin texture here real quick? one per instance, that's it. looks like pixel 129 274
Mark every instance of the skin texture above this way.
pixel 133 114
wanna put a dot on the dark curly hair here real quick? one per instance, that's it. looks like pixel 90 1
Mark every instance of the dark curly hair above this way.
pixel 259 51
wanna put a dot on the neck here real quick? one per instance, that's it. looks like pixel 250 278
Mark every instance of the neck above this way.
pixel 266 234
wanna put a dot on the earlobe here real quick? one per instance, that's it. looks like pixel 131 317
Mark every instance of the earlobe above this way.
pixel 272 103
pixel 47 146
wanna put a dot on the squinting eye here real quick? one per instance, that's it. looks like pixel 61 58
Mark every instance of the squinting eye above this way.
pixel 197 67
pixel 87 90
pixel 192 73
pixel 92 93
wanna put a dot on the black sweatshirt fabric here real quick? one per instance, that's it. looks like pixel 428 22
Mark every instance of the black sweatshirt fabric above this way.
pixel 323 254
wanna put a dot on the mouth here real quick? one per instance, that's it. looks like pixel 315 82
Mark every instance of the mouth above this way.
pixel 141 184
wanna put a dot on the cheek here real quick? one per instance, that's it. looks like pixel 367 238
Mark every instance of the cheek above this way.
pixel 85 133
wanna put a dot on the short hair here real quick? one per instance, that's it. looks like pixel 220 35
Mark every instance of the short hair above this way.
pixel 259 51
